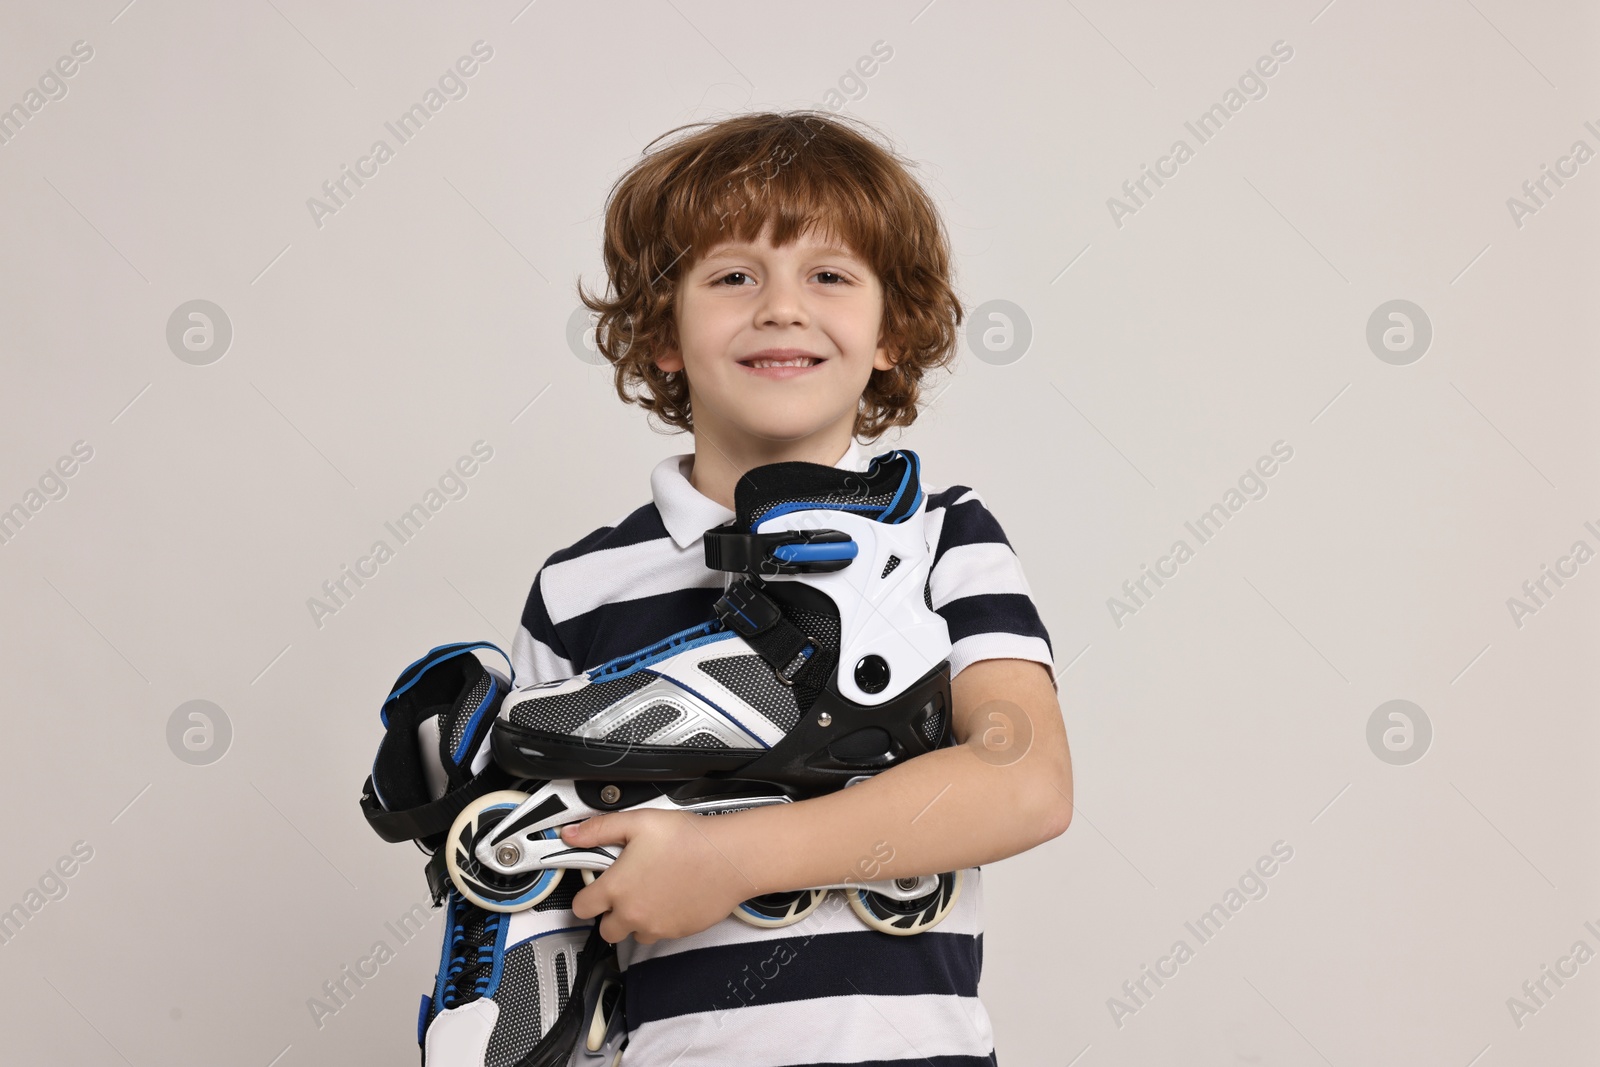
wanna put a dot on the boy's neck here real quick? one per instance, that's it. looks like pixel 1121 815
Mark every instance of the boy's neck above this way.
pixel 718 468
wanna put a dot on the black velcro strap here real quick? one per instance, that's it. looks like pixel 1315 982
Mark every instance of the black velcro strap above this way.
pixel 756 617
pixel 746 609
pixel 779 644
pixel 427 820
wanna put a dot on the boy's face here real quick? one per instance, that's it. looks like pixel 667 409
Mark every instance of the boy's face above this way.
pixel 743 300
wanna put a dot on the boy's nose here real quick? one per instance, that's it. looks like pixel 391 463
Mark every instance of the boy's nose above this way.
pixel 781 305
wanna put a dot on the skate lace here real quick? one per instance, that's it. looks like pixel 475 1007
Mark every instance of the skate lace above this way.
pixel 471 965
pixel 627 662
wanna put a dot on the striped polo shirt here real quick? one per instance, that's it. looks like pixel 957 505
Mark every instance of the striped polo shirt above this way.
pixel 827 990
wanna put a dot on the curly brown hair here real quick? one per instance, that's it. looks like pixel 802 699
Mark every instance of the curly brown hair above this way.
pixel 798 170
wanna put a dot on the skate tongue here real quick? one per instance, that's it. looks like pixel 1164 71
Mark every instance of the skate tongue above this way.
pixel 889 490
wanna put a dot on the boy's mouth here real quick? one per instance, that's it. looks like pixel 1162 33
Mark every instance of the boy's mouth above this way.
pixel 781 362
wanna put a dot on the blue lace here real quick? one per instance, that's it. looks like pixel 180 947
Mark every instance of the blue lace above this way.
pixel 482 966
pixel 623 664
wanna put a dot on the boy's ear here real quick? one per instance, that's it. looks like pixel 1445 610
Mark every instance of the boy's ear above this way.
pixel 886 357
pixel 669 361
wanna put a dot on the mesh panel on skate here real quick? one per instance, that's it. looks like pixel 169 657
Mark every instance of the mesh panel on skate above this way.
pixel 927 594
pixel 563 983
pixel 518 1028
pixel 750 679
pixel 823 629
pixel 560 897
pixel 704 740
pixel 644 725
pixel 930 729
pixel 845 501
pixel 887 491
pixel 464 713
pixel 564 713
pixel 894 561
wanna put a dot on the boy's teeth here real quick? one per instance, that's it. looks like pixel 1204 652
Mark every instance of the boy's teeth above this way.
pixel 797 361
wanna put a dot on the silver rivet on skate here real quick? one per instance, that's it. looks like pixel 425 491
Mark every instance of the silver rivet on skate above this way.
pixel 506 855
pixel 824 719
pixel 906 884
pixel 610 794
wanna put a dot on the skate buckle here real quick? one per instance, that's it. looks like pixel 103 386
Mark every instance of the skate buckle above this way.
pixel 747 610
pixel 786 676
pixel 779 552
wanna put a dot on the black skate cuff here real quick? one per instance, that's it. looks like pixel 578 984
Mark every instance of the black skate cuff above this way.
pixel 428 820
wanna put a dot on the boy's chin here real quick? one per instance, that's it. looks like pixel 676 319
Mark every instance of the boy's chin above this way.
pixel 781 425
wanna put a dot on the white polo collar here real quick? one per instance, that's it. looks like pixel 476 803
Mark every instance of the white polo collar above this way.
pixel 688 514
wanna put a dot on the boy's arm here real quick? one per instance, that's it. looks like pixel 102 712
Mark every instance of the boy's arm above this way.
pixel 1006 787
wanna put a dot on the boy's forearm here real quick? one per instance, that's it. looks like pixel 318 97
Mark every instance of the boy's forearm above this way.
pixel 942 811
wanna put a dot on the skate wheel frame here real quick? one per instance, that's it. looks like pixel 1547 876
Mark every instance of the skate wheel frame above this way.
pixel 909 916
pixel 489 889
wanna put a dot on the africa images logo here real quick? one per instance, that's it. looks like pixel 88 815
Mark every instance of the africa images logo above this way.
pixel 452 85
pixel 1252 85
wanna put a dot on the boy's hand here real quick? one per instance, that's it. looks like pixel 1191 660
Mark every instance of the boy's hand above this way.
pixel 671 879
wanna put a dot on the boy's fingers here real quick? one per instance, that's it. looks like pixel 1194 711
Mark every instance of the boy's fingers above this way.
pixel 610 829
pixel 611 928
pixel 591 900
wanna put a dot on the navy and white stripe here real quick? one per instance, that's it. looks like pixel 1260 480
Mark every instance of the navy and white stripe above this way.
pixel 827 990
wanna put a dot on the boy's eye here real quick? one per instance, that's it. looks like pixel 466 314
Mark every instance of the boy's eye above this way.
pixel 732 274
pixel 830 274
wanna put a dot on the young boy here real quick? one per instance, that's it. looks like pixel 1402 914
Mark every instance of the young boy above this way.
pixel 779 285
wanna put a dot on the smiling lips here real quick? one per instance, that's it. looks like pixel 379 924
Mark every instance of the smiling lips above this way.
pixel 781 362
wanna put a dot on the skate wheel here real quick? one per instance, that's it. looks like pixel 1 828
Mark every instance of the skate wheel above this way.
pixel 907 916
pixel 772 910
pixel 486 888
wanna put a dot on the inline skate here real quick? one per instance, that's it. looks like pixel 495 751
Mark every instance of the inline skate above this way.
pixel 538 988
pixel 825 664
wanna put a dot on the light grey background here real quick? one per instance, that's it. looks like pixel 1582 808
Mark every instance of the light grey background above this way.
pixel 1167 354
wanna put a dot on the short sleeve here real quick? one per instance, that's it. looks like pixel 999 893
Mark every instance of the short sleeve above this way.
pixel 537 654
pixel 977 585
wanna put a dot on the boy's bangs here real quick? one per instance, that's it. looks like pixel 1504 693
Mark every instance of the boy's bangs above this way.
pixel 802 196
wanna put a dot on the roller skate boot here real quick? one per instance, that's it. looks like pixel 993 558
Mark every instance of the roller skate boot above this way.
pixel 825 664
